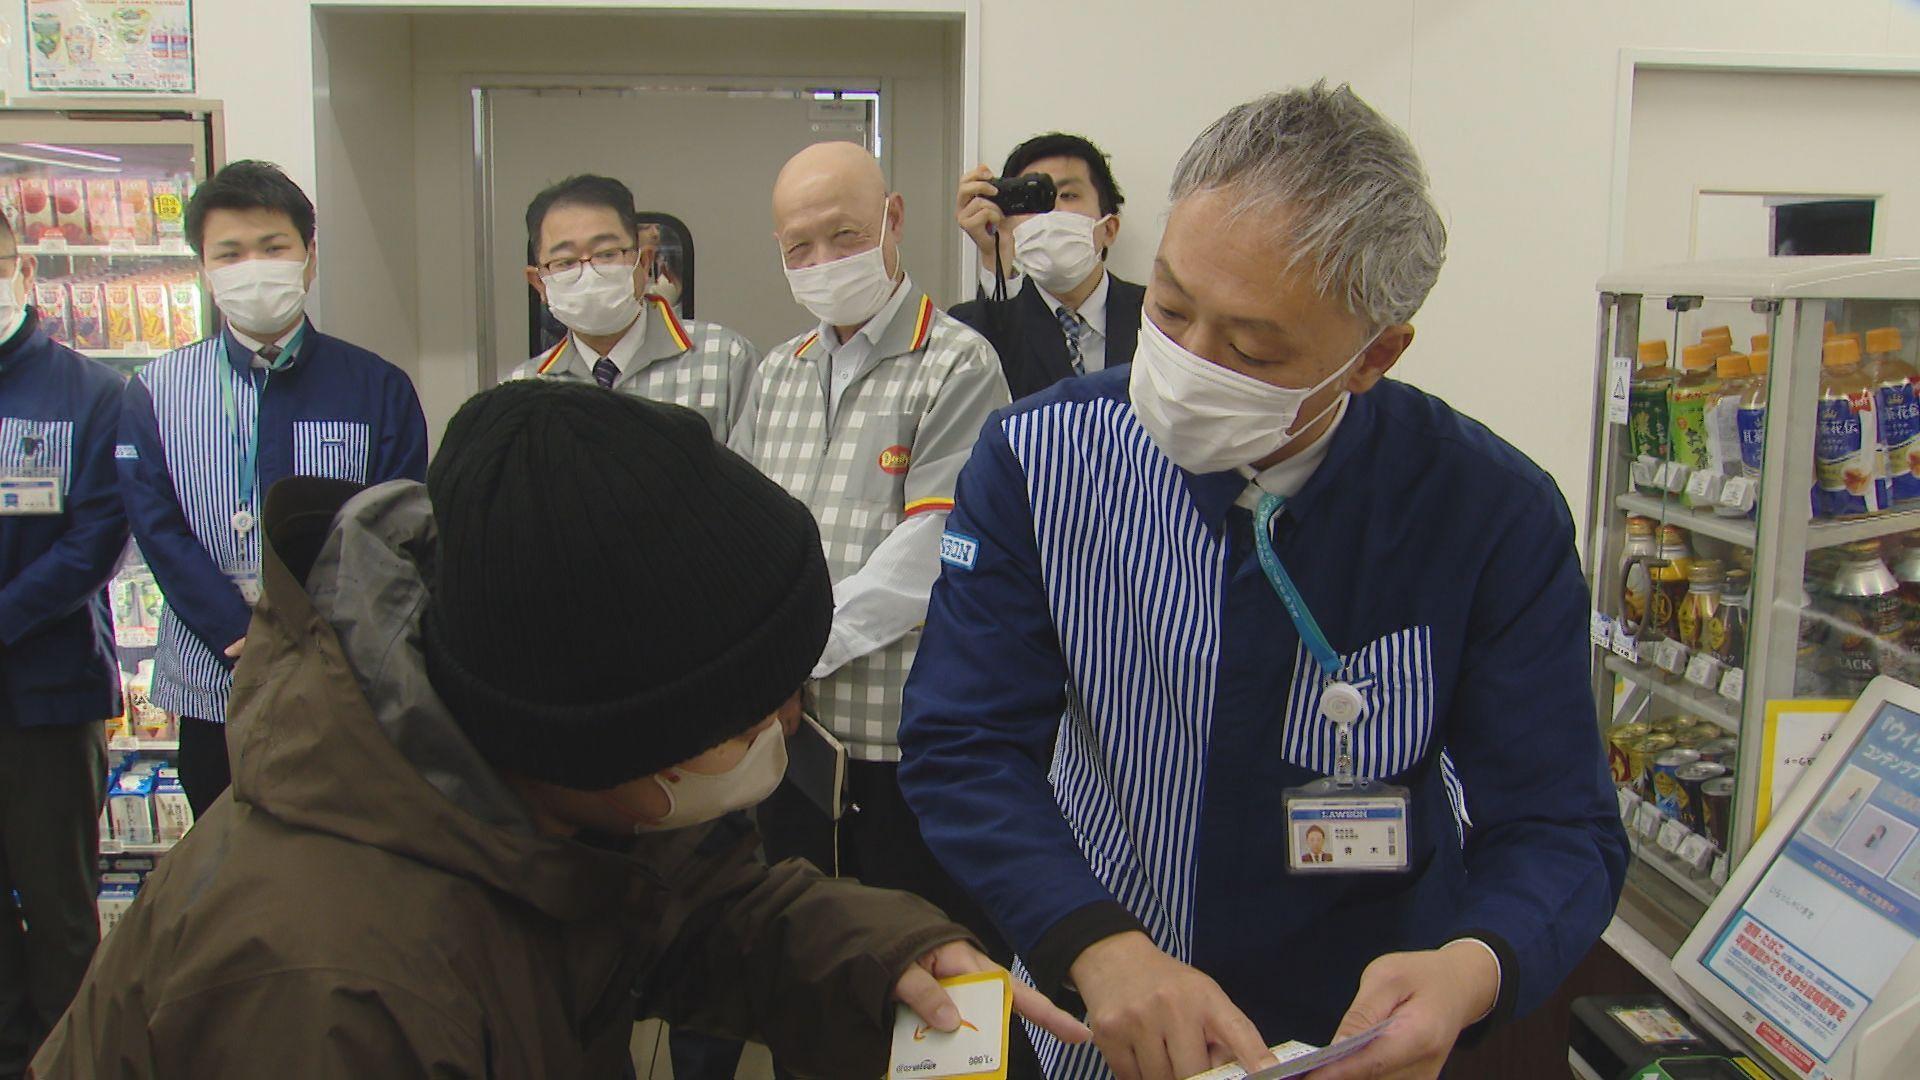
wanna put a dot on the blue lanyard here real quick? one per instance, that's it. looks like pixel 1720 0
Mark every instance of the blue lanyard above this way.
pixel 1296 605
pixel 250 448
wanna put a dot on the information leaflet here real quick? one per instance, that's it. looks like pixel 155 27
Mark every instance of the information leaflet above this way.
pixel 1839 909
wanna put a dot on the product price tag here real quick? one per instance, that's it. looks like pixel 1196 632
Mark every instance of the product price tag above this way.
pixel 173 245
pixel 1703 487
pixel 1703 671
pixel 1719 872
pixel 1737 494
pixel 121 244
pixel 1642 472
pixel 1670 656
pixel 1696 851
pixel 1625 645
pixel 1600 629
pixel 1619 386
pixel 52 244
pixel 1629 802
pixel 1672 835
pixel 1646 820
pixel 1676 477
pixel 1733 684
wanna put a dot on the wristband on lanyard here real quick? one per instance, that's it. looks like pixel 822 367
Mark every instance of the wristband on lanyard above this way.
pixel 244 518
pixel 1340 703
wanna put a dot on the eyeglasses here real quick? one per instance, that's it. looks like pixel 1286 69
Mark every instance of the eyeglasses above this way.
pixel 567 271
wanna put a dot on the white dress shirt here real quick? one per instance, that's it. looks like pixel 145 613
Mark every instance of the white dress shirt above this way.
pixel 254 345
pixel 1093 312
pixel 845 359
pixel 623 352
pixel 1289 476
pixel 876 605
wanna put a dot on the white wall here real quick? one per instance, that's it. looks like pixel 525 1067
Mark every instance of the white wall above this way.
pixel 1510 101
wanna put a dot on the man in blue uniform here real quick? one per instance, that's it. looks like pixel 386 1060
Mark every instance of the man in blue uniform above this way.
pixel 62 531
pixel 1248 587
pixel 209 428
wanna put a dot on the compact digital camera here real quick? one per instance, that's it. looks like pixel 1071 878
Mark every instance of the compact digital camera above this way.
pixel 1032 193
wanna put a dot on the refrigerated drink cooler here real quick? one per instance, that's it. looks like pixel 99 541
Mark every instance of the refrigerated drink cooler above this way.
pixel 97 194
pixel 1754 539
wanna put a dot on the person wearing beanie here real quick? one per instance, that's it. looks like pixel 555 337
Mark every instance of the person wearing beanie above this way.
pixel 489 736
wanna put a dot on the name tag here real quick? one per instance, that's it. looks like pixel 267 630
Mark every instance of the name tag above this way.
pixel 1365 832
pixel 247 580
pixel 32 491
pixel 977 1051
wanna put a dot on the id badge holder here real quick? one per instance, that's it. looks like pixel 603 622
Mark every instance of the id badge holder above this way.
pixel 1340 825
pixel 32 491
pixel 246 578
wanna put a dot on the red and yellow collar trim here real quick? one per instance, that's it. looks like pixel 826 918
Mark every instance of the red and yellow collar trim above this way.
pixel 922 329
pixel 672 322
pixel 675 329
pixel 923 324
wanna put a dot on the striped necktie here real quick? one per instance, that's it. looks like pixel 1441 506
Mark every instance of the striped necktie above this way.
pixel 606 373
pixel 1071 324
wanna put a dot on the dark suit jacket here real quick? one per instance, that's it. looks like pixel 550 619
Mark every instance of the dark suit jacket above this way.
pixel 1033 351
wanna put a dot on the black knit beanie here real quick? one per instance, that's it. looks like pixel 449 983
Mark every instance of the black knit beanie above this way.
pixel 614 593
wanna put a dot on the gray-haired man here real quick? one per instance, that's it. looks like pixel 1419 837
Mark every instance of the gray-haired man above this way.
pixel 1207 588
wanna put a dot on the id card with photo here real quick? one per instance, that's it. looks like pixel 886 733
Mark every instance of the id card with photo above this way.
pixel 32 491
pixel 247 580
pixel 1356 830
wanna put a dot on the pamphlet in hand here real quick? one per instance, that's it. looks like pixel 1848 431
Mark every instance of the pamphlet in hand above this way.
pixel 1298 1059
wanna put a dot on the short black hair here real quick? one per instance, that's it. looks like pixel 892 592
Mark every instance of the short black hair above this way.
pixel 585 189
pixel 1060 144
pixel 249 185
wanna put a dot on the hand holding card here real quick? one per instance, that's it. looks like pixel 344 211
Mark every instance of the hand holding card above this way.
pixel 1414 1005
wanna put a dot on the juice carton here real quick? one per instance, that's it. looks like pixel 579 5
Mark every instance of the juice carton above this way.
pixel 104 220
pixel 70 209
pixel 114 903
pixel 172 814
pixel 136 211
pixel 36 209
pixel 123 316
pixel 155 321
pixel 89 318
pixel 50 299
pixel 183 298
pixel 170 209
pixel 130 804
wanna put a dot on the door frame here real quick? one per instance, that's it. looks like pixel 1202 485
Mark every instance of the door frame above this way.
pixel 479 90
pixel 1633 61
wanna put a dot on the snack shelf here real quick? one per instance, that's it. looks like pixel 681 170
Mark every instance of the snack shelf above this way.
pixel 121 354
pixel 132 745
pixel 143 251
pixel 1705 704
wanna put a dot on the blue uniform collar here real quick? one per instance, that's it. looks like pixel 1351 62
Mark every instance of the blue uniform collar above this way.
pixel 241 357
pixel 1214 493
pixel 24 344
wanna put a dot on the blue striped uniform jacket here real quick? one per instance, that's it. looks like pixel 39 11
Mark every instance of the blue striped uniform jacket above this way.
pixel 337 411
pixel 1110 701
pixel 59 412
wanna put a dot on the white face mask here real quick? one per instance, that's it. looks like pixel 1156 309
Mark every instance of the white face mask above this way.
pixel 697 798
pixel 260 296
pixel 849 291
pixel 1208 419
pixel 595 304
pixel 1056 249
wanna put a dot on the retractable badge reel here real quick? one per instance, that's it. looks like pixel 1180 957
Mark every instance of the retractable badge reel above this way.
pixel 1338 824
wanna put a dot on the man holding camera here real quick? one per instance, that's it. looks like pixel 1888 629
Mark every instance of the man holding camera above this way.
pixel 1044 227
